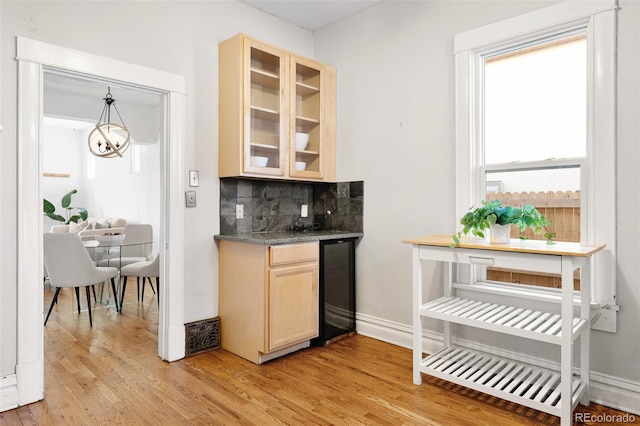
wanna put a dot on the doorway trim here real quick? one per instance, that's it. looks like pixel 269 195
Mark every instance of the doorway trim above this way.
pixel 33 58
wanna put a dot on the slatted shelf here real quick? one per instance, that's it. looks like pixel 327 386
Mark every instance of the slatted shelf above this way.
pixel 537 325
pixel 526 385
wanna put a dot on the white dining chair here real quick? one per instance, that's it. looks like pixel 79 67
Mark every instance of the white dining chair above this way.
pixel 144 270
pixel 69 265
pixel 134 233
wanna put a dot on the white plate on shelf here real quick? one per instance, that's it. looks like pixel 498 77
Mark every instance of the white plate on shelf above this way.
pixel 110 238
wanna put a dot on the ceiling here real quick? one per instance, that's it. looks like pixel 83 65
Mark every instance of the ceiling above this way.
pixel 75 103
pixel 73 85
pixel 312 15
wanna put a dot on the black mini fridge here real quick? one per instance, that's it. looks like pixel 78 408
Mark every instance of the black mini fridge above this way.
pixel 337 313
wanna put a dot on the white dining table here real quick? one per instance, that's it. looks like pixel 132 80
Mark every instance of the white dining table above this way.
pixel 111 252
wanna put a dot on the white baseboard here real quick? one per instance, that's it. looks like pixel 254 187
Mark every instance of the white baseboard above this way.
pixel 615 392
pixel 396 333
pixel 8 392
pixel 30 381
pixel 606 390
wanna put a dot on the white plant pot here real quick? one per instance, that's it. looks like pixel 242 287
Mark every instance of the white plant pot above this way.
pixel 499 234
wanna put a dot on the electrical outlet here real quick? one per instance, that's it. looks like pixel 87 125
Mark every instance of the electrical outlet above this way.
pixel 190 198
pixel 239 211
pixel 304 211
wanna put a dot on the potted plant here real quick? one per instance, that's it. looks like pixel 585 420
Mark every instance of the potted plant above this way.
pixel 498 219
pixel 50 210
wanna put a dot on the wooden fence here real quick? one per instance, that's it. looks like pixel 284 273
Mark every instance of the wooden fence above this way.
pixel 562 209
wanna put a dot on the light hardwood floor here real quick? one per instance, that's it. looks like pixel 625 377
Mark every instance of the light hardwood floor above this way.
pixel 110 374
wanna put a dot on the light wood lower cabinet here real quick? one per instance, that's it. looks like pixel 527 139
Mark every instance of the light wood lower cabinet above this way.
pixel 268 298
pixel 293 305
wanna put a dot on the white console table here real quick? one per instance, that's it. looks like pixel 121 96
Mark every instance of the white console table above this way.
pixel 545 390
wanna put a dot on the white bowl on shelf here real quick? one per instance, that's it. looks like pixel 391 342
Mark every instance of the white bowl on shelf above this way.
pixel 302 139
pixel 258 161
pixel 301 165
pixel 113 239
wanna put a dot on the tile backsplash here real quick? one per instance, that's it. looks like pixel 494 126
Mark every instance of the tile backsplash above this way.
pixel 275 206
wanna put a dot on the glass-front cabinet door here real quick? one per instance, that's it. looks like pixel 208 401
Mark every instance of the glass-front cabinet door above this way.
pixel 306 132
pixel 265 115
pixel 312 128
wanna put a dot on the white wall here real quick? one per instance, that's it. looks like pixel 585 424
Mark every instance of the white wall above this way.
pixel 396 129
pixel 61 155
pixel 177 37
pixel 617 354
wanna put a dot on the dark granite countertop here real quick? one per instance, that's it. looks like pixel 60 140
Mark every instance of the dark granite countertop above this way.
pixel 272 238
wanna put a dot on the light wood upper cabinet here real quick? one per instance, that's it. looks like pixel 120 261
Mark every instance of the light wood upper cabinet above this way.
pixel 266 96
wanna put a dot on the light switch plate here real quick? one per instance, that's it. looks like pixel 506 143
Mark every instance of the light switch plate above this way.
pixel 194 178
pixel 190 198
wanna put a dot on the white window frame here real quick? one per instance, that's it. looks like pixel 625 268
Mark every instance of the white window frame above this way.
pixel 599 21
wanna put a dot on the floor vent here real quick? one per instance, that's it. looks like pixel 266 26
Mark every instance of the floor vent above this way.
pixel 202 336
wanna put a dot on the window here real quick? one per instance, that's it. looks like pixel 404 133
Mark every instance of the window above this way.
pixel 535 101
pixel 535 117
pixel 534 106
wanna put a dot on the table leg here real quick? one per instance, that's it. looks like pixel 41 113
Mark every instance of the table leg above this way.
pixel 585 338
pixel 417 321
pixel 448 291
pixel 115 295
pixel 566 348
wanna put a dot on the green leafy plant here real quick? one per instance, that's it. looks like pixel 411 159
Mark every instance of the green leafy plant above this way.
pixel 50 210
pixel 478 219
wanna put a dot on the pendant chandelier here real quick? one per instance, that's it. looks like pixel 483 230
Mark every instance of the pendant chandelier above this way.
pixel 107 139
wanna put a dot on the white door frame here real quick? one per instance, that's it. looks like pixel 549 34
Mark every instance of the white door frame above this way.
pixel 33 59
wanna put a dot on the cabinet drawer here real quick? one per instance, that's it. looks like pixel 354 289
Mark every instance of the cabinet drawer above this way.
pixel 293 253
pixel 498 258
